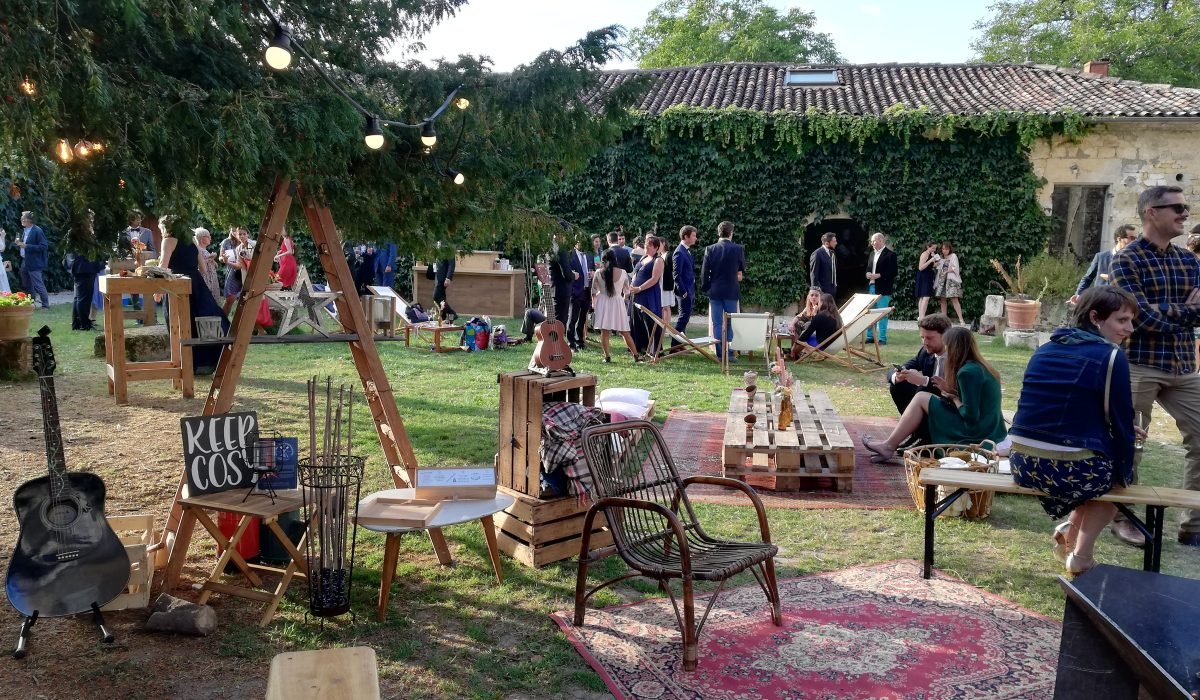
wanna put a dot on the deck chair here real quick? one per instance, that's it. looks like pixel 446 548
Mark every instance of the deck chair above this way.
pixel 432 329
pixel 856 306
pixel 751 333
pixel 686 345
pixel 636 487
pixel 839 347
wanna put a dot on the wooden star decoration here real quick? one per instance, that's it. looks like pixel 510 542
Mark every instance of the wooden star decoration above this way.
pixel 305 305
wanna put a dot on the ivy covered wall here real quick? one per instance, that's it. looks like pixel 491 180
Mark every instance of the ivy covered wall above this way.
pixel 968 180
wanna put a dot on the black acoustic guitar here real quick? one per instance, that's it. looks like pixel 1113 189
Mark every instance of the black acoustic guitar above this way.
pixel 67 559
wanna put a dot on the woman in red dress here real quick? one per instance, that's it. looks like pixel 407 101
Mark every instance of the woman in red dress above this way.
pixel 287 262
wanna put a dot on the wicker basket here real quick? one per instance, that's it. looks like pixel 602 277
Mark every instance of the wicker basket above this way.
pixel 927 456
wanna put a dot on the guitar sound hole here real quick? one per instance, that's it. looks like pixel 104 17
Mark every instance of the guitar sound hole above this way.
pixel 61 513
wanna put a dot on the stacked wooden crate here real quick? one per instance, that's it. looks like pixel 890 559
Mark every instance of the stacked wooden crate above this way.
pixel 135 532
pixel 537 531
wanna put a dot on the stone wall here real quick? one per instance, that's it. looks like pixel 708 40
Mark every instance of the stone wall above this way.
pixel 1126 156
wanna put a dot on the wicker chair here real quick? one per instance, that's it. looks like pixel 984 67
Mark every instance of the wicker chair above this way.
pixel 654 528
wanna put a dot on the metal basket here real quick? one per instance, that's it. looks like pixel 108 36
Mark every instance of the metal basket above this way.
pixel 330 491
pixel 927 456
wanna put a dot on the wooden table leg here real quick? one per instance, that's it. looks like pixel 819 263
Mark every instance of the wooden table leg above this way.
pixel 230 546
pixel 391 552
pixel 117 335
pixel 489 531
pixel 440 547
pixel 296 563
pixel 178 553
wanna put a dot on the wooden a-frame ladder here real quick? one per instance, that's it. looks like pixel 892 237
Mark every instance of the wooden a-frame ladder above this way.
pixel 378 392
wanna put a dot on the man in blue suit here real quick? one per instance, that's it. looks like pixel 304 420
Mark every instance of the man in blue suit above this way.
pixel 34 247
pixel 822 265
pixel 720 278
pixel 581 296
pixel 684 272
pixel 1100 269
pixel 385 264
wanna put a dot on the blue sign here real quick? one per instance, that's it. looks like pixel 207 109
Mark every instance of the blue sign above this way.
pixel 286 450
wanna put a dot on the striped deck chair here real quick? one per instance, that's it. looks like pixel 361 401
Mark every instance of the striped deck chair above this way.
pixel 839 347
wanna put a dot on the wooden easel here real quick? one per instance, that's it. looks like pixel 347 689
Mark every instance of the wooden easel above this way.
pixel 392 437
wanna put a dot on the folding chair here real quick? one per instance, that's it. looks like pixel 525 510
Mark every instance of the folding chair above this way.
pixel 751 333
pixel 686 344
pixel 838 349
pixel 856 306
pixel 433 328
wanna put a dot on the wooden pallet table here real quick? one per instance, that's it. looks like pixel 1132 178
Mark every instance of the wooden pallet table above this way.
pixel 815 446
pixel 179 319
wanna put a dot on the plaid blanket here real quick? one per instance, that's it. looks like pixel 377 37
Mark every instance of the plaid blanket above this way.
pixel 562 447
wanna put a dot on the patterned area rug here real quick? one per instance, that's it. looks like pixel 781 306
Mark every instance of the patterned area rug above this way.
pixel 876 631
pixel 695 440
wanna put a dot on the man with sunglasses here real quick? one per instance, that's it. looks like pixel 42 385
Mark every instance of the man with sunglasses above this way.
pixel 1099 271
pixel 1165 280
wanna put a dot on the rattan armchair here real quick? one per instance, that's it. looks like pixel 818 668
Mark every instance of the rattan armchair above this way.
pixel 655 531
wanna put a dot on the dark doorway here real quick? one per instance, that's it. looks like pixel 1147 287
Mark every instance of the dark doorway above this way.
pixel 1078 212
pixel 852 248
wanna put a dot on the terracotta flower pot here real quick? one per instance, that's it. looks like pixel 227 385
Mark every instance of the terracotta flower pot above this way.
pixel 1022 313
pixel 14 322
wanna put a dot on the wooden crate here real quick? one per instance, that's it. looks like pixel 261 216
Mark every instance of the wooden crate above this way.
pixel 522 395
pixel 537 532
pixel 135 532
pixel 815 446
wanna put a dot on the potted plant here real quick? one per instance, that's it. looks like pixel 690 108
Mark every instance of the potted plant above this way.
pixel 16 311
pixel 1019 307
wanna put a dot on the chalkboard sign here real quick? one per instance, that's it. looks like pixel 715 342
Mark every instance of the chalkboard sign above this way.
pixel 217 450
pixel 285 451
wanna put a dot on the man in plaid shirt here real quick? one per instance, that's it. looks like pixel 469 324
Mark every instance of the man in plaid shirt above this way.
pixel 1165 280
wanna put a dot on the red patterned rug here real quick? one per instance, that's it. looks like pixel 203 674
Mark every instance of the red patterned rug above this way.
pixel 695 440
pixel 876 632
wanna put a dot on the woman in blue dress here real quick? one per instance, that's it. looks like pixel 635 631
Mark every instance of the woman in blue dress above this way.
pixel 1073 433
pixel 646 275
pixel 926 273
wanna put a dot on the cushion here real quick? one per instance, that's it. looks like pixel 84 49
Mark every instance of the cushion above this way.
pixel 637 397
pixel 627 410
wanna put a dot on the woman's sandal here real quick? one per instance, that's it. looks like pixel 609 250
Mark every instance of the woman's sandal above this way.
pixel 1077 565
pixel 881 455
pixel 1063 544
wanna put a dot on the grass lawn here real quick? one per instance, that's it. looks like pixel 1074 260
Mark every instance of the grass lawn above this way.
pixel 453 632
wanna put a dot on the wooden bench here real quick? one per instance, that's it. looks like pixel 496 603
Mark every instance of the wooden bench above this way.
pixel 1156 499
pixel 324 674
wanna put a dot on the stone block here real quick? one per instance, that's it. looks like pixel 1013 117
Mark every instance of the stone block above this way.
pixel 992 325
pixel 1016 339
pixel 993 305
pixel 16 359
pixel 142 344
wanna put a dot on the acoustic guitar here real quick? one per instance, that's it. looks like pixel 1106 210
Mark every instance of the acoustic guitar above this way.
pixel 67 559
pixel 552 354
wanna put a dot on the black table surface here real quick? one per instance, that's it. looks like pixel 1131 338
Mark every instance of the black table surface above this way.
pixel 1158 614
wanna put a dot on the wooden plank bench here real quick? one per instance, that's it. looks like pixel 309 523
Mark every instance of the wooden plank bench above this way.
pixel 1156 499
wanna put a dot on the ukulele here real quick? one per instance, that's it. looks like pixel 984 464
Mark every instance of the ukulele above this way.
pixel 552 354
pixel 67 559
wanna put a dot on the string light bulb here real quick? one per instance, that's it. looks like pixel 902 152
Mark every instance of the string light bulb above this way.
pixel 279 53
pixel 462 103
pixel 63 151
pixel 373 135
pixel 28 87
pixel 458 177
pixel 97 147
pixel 82 150
pixel 428 134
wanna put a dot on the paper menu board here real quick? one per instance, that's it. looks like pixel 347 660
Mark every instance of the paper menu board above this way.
pixel 464 483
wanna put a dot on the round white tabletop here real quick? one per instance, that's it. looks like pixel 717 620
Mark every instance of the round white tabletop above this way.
pixel 452 512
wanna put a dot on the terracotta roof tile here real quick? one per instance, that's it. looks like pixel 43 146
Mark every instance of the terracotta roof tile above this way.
pixel 868 89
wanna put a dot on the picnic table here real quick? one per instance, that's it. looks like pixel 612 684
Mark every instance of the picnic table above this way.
pixel 814 446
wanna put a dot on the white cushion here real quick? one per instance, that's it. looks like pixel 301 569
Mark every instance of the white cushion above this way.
pixel 637 397
pixel 628 410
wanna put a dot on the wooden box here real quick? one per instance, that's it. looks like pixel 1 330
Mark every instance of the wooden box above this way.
pixel 537 532
pixel 522 395
pixel 135 532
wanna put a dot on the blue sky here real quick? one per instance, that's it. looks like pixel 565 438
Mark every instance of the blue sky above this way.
pixel 512 32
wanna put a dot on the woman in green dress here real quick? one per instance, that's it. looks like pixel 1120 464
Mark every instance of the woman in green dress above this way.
pixel 967 412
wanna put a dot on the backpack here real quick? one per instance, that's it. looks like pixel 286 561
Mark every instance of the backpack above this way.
pixel 415 313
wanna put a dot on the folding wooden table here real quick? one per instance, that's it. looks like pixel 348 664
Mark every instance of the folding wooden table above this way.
pixel 256 506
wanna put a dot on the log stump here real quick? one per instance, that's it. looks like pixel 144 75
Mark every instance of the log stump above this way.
pixel 142 344
pixel 16 359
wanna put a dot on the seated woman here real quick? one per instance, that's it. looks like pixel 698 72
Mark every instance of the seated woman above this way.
pixel 967 412
pixel 824 323
pixel 1073 434
pixel 812 304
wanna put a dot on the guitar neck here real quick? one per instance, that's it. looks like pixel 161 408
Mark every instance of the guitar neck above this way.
pixel 55 459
